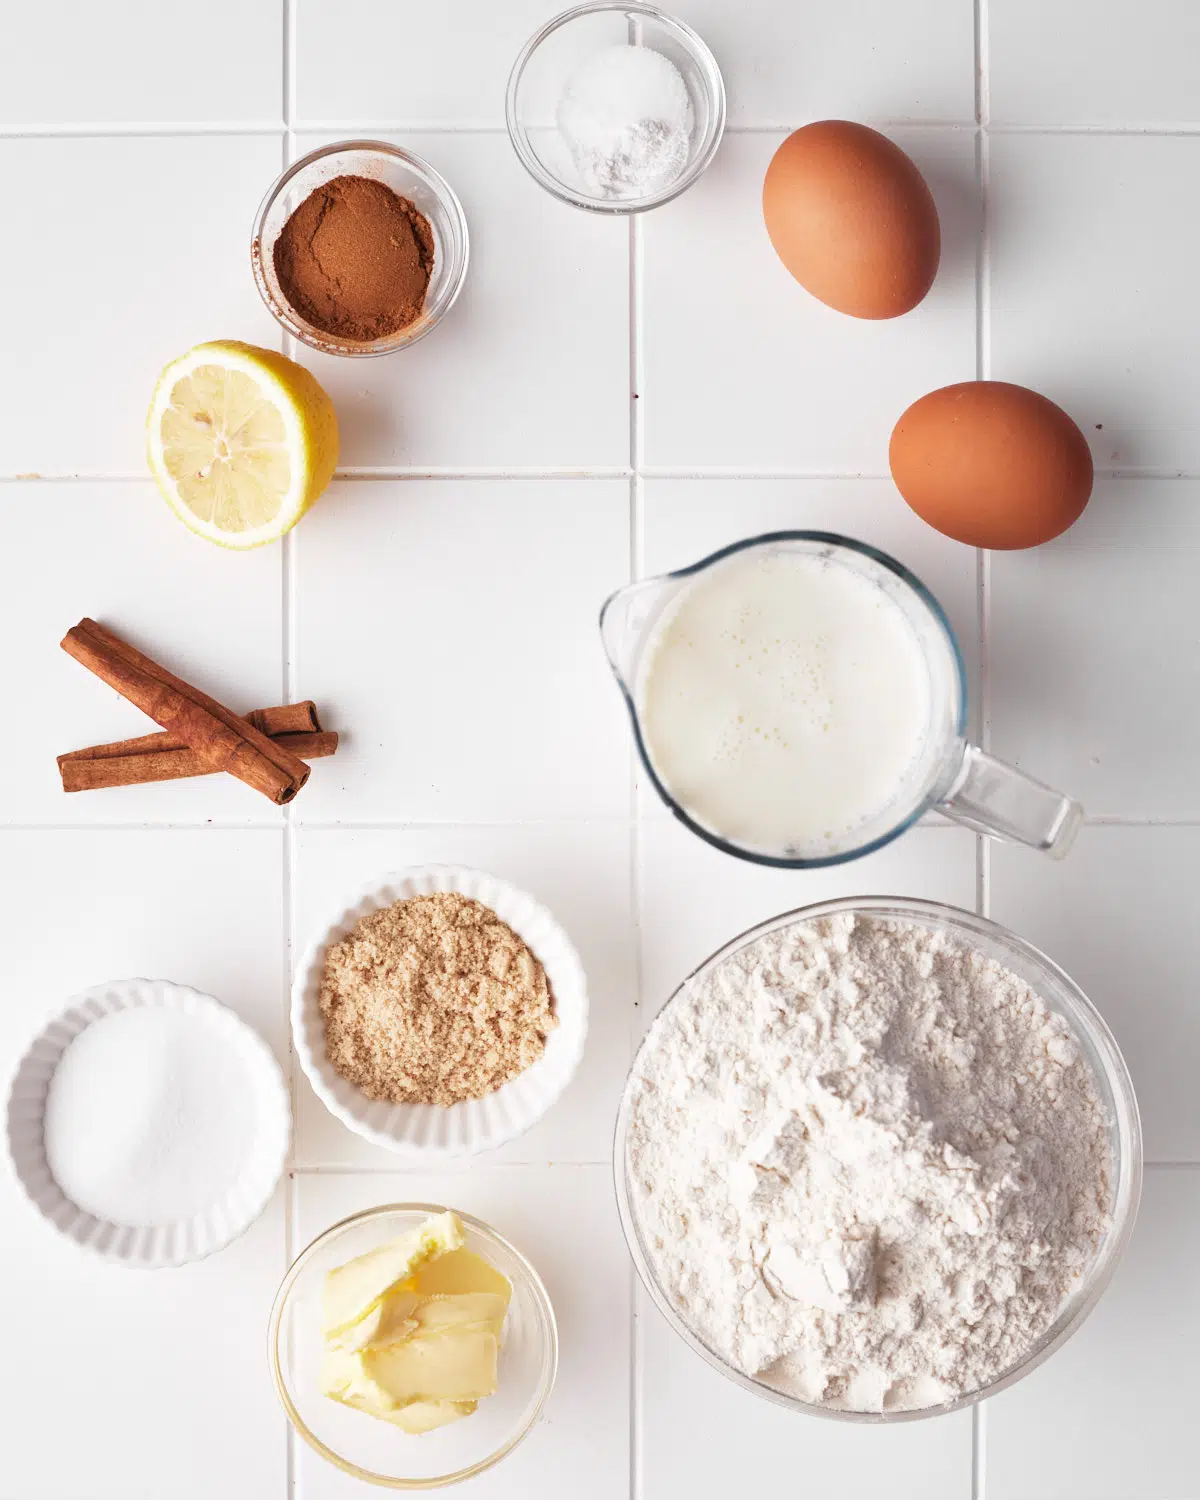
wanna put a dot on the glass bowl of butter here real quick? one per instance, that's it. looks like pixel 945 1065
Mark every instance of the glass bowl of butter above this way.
pixel 412 1346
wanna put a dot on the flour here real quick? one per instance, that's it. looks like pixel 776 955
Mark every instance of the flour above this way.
pixel 869 1163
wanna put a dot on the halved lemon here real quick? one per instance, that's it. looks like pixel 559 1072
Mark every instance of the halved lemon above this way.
pixel 241 440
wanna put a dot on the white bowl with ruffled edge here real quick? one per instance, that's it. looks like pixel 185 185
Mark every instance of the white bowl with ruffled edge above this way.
pixel 175 1241
pixel 431 1131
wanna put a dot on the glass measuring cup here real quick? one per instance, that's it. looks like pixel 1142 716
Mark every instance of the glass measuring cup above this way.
pixel 948 774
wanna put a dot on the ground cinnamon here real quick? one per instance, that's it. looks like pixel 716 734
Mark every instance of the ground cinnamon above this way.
pixel 354 259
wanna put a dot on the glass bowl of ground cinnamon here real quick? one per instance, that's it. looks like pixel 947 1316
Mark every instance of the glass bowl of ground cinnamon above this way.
pixel 359 248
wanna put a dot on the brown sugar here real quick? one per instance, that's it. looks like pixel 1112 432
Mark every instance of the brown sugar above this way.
pixel 355 259
pixel 432 1001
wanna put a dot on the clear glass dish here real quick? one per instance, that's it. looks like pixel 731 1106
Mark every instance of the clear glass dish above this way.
pixel 550 56
pixel 373 1450
pixel 1062 995
pixel 406 175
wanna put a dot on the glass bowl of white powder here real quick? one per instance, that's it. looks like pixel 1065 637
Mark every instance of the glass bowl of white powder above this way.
pixel 877 1159
pixel 615 108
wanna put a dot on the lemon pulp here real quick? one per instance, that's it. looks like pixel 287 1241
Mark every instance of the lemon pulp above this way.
pixel 241 441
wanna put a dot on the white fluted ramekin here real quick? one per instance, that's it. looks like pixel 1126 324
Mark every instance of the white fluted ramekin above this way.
pixel 430 1131
pixel 176 1241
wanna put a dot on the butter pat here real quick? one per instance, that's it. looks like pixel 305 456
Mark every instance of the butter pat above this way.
pixel 412 1330
pixel 354 1290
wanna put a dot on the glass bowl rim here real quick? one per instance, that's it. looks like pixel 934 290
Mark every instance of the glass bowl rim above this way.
pixel 392 343
pixel 694 43
pixel 348 1466
pixel 1084 1017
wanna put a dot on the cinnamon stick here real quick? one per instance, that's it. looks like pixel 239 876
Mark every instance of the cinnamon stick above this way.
pixel 220 738
pixel 164 757
pixel 288 718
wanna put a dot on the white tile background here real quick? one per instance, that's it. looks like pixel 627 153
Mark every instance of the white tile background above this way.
pixel 440 604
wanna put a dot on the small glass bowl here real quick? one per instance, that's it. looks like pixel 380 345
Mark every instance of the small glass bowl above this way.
pixel 373 1450
pixel 406 175
pixel 547 61
pixel 1113 1082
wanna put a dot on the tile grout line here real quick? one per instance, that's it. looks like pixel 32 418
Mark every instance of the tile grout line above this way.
pixel 386 1169
pixel 982 851
pixel 439 825
pixel 199 129
pixel 287 622
pixel 450 1165
pixel 532 471
pixel 983 354
pixel 978 1450
pixel 637 571
pixel 138 130
pixel 598 473
pixel 1082 128
pixel 360 473
pixel 983 370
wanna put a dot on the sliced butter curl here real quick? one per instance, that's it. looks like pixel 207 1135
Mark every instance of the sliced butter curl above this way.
pixel 354 1290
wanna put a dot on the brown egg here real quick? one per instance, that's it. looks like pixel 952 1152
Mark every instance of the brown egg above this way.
pixel 992 465
pixel 852 219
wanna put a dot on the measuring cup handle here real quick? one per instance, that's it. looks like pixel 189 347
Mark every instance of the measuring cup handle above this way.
pixel 995 798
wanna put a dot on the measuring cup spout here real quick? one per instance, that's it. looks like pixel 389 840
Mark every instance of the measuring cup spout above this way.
pixel 626 621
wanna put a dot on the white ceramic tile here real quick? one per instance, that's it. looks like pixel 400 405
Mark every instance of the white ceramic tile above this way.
pixel 581 872
pixel 135 249
pixel 1095 678
pixel 169 1368
pixel 1055 62
pixel 115 552
pixel 65 63
pixel 782 64
pixel 453 625
pixel 694 898
pixel 867 60
pixel 565 1220
pixel 1094 300
pixel 530 368
pixel 460 55
pixel 198 906
pixel 167 1358
pixel 1111 1416
pixel 704 1437
pixel 744 369
pixel 1119 914
pixel 686 519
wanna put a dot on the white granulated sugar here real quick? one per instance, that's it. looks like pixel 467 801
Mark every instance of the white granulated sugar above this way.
pixel 869 1163
pixel 150 1117
pixel 626 117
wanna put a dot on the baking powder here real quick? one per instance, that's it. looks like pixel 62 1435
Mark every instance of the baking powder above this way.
pixel 869 1163
pixel 626 117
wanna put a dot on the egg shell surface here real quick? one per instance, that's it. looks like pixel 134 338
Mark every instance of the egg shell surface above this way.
pixel 991 464
pixel 852 219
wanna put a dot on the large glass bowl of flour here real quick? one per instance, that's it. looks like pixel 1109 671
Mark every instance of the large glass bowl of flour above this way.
pixel 705 1244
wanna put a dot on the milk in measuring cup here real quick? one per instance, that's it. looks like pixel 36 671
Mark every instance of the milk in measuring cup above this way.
pixel 784 702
